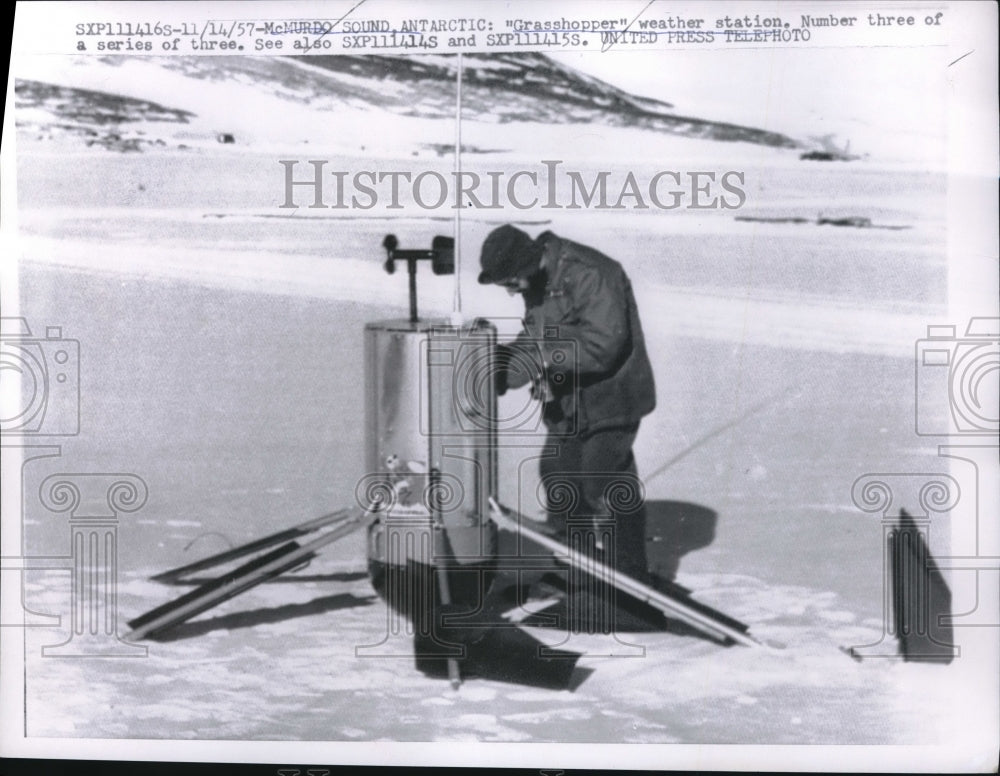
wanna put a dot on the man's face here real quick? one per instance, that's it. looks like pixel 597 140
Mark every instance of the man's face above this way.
pixel 516 285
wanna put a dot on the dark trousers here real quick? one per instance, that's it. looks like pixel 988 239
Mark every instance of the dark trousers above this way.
pixel 591 484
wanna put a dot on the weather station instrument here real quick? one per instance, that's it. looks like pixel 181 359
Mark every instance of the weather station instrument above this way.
pixel 429 505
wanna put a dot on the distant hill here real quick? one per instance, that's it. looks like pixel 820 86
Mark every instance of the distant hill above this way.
pixel 497 88
pixel 97 118
pixel 520 87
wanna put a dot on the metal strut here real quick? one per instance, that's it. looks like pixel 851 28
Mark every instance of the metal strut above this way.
pixel 241 579
pixel 508 518
pixel 176 575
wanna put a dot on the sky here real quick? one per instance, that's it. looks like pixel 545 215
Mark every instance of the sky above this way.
pixel 879 97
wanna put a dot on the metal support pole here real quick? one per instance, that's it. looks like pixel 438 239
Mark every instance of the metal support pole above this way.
pixel 411 268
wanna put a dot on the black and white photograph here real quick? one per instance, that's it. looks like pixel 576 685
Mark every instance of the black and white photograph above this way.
pixel 558 384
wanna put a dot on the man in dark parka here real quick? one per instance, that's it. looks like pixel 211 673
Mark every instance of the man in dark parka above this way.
pixel 583 350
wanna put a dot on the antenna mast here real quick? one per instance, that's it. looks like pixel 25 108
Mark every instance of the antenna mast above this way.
pixel 456 315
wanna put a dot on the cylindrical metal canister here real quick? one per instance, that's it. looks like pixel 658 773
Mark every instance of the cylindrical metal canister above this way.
pixel 430 444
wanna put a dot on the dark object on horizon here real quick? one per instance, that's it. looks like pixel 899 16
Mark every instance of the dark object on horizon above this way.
pixel 775 220
pixel 861 222
pixel 446 149
pixel 827 156
pixel 921 600
pixel 829 151
pixel 818 156
pixel 225 138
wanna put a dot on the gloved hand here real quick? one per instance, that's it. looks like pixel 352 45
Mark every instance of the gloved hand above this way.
pixel 515 365
pixel 501 363
pixel 541 390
